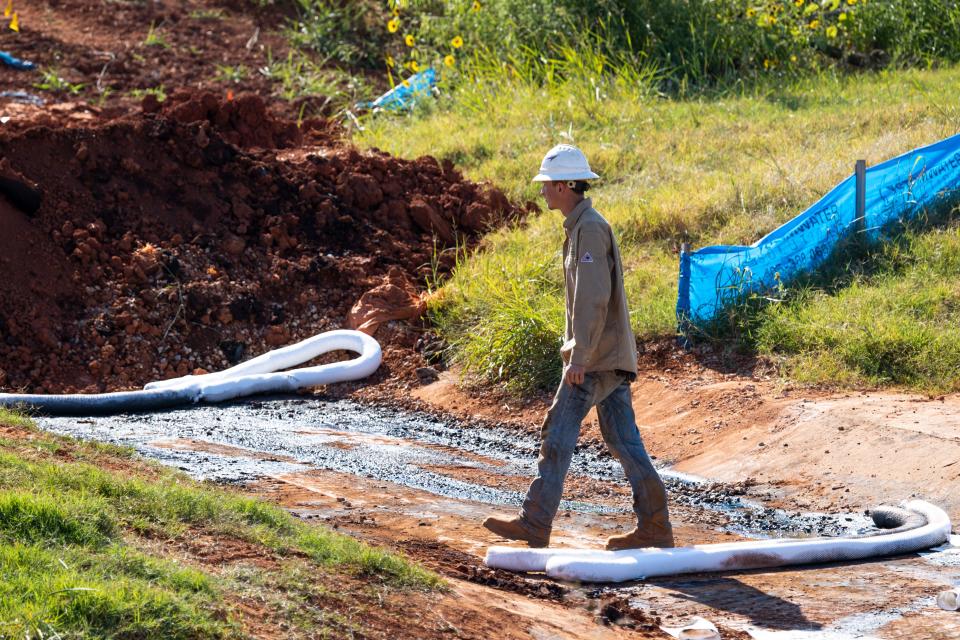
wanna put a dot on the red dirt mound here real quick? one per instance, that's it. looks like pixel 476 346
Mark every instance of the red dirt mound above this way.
pixel 162 244
pixel 244 122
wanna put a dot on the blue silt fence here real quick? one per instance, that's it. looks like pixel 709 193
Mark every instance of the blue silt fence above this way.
pixel 712 277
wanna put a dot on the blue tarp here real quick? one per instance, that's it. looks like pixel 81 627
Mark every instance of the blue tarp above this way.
pixel 715 276
pixel 404 95
pixel 16 63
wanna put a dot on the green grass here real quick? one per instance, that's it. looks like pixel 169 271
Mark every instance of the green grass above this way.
pixel 228 73
pixel 207 14
pixel 154 38
pixel 724 168
pixel 76 540
pixel 15 418
pixel 514 338
pixel 896 324
pixel 51 81
pixel 157 91
pixel 298 75
pixel 113 592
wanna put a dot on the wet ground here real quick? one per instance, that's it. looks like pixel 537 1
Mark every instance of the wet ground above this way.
pixel 423 484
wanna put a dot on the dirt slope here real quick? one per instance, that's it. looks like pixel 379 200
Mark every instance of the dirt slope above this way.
pixel 806 449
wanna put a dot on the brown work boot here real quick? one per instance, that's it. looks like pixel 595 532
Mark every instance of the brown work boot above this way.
pixel 651 535
pixel 518 529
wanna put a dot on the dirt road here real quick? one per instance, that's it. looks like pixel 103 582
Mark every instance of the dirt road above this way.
pixel 422 483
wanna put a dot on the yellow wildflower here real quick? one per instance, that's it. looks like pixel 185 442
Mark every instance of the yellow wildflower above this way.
pixel 393 25
pixel 450 61
pixel 390 61
pixel 851 2
pixel 832 31
pixel 476 6
pixel 793 58
pixel 751 12
pixel 843 17
pixel 814 24
pixel 410 40
pixel 457 42
pixel 798 3
pixel 414 66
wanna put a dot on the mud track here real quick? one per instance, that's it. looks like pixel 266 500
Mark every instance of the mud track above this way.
pixel 421 484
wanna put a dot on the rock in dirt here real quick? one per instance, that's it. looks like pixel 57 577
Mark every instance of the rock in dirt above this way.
pixel 426 375
pixel 21 192
pixel 395 298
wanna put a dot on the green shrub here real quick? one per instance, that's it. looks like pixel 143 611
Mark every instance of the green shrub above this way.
pixel 342 31
pixel 502 312
pixel 691 43
pixel 913 32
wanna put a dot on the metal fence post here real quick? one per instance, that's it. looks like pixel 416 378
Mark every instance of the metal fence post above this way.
pixel 683 297
pixel 860 221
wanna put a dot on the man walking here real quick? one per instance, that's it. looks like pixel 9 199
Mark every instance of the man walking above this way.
pixel 600 360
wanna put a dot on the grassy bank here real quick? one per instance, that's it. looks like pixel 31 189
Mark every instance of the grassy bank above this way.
pixel 723 169
pixel 897 322
pixel 94 543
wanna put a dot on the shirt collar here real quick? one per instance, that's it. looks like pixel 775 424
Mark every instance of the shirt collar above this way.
pixel 571 220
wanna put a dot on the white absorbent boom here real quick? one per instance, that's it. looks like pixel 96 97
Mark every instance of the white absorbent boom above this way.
pixel 919 525
pixel 263 374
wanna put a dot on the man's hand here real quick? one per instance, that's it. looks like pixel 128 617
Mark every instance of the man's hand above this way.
pixel 573 374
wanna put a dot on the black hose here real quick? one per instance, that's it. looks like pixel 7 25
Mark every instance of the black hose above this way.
pixel 78 404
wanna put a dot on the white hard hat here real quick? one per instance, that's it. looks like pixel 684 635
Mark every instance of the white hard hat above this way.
pixel 564 162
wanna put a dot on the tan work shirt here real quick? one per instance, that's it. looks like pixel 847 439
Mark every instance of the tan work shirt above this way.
pixel 597 334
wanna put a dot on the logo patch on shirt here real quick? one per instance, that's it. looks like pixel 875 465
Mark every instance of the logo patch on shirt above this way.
pixel 586 257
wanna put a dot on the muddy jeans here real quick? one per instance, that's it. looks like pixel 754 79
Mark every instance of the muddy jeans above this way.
pixel 610 392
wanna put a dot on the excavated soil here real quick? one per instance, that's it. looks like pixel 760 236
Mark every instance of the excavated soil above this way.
pixel 145 239
pixel 196 233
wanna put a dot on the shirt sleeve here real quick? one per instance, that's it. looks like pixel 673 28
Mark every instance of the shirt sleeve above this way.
pixel 591 294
